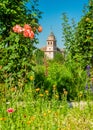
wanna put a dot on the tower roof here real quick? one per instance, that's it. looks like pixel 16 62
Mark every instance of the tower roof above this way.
pixel 51 37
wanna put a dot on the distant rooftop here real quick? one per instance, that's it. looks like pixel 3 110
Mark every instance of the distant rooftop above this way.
pixel 51 37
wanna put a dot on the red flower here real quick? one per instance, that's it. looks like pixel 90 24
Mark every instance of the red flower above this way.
pixel 27 27
pixel 26 33
pixel 10 110
pixel 27 30
pixel 31 35
pixel 39 29
pixel 17 29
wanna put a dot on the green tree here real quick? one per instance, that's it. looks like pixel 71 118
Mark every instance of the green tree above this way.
pixel 68 34
pixel 16 51
pixel 84 38
pixel 78 39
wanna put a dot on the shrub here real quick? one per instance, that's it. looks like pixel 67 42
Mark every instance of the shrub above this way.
pixel 69 77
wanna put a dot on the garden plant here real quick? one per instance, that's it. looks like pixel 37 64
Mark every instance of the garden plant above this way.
pixel 37 93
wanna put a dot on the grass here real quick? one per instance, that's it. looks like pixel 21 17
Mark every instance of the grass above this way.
pixel 34 111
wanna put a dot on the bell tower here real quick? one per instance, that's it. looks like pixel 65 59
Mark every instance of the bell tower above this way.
pixel 51 47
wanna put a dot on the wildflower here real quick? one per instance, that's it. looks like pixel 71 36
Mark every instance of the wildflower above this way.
pixel 31 78
pixel 0 67
pixel 28 122
pixel 56 114
pixel 10 110
pixel 41 95
pixel 2 119
pixel 88 70
pixel 37 89
pixel 46 91
pixel 56 96
pixel 54 87
pixel 13 89
pixel 80 94
pixel 44 114
pixel 32 118
pixel 88 67
pixel 86 87
pixel 88 73
pixel 49 111
pixel 65 92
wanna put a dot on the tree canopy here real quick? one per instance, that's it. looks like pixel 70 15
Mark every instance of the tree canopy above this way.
pixel 16 50
pixel 79 38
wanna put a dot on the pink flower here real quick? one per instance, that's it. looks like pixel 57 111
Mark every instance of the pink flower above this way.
pixel 10 110
pixel 31 35
pixel 26 33
pixel 17 29
pixel 27 30
pixel 27 27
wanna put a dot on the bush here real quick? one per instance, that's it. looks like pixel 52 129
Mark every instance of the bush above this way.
pixel 68 78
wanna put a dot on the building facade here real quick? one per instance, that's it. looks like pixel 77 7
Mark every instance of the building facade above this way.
pixel 51 48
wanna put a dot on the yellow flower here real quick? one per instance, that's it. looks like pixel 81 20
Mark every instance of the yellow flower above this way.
pixel 80 95
pixel 13 89
pixel 56 114
pixel 46 91
pixel 32 118
pixel 28 122
pixel 31 78
pixel 37 89
pixel 54 87
pixel 2 119
pixel 44 114
pixel 0 67
pixel 65 92
pixel 41 95
pixel 56 96
pixel 49 111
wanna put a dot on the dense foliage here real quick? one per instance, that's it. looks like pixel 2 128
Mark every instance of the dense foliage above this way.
pixel 21 61
pixel 68 76
pixel 84 38
pixel 79 39
pixel 16 51
pixel 68 34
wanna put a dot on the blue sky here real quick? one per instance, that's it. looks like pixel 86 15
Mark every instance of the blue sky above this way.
pixel 52 14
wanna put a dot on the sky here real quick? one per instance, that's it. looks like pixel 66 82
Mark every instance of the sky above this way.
pixel 52 17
